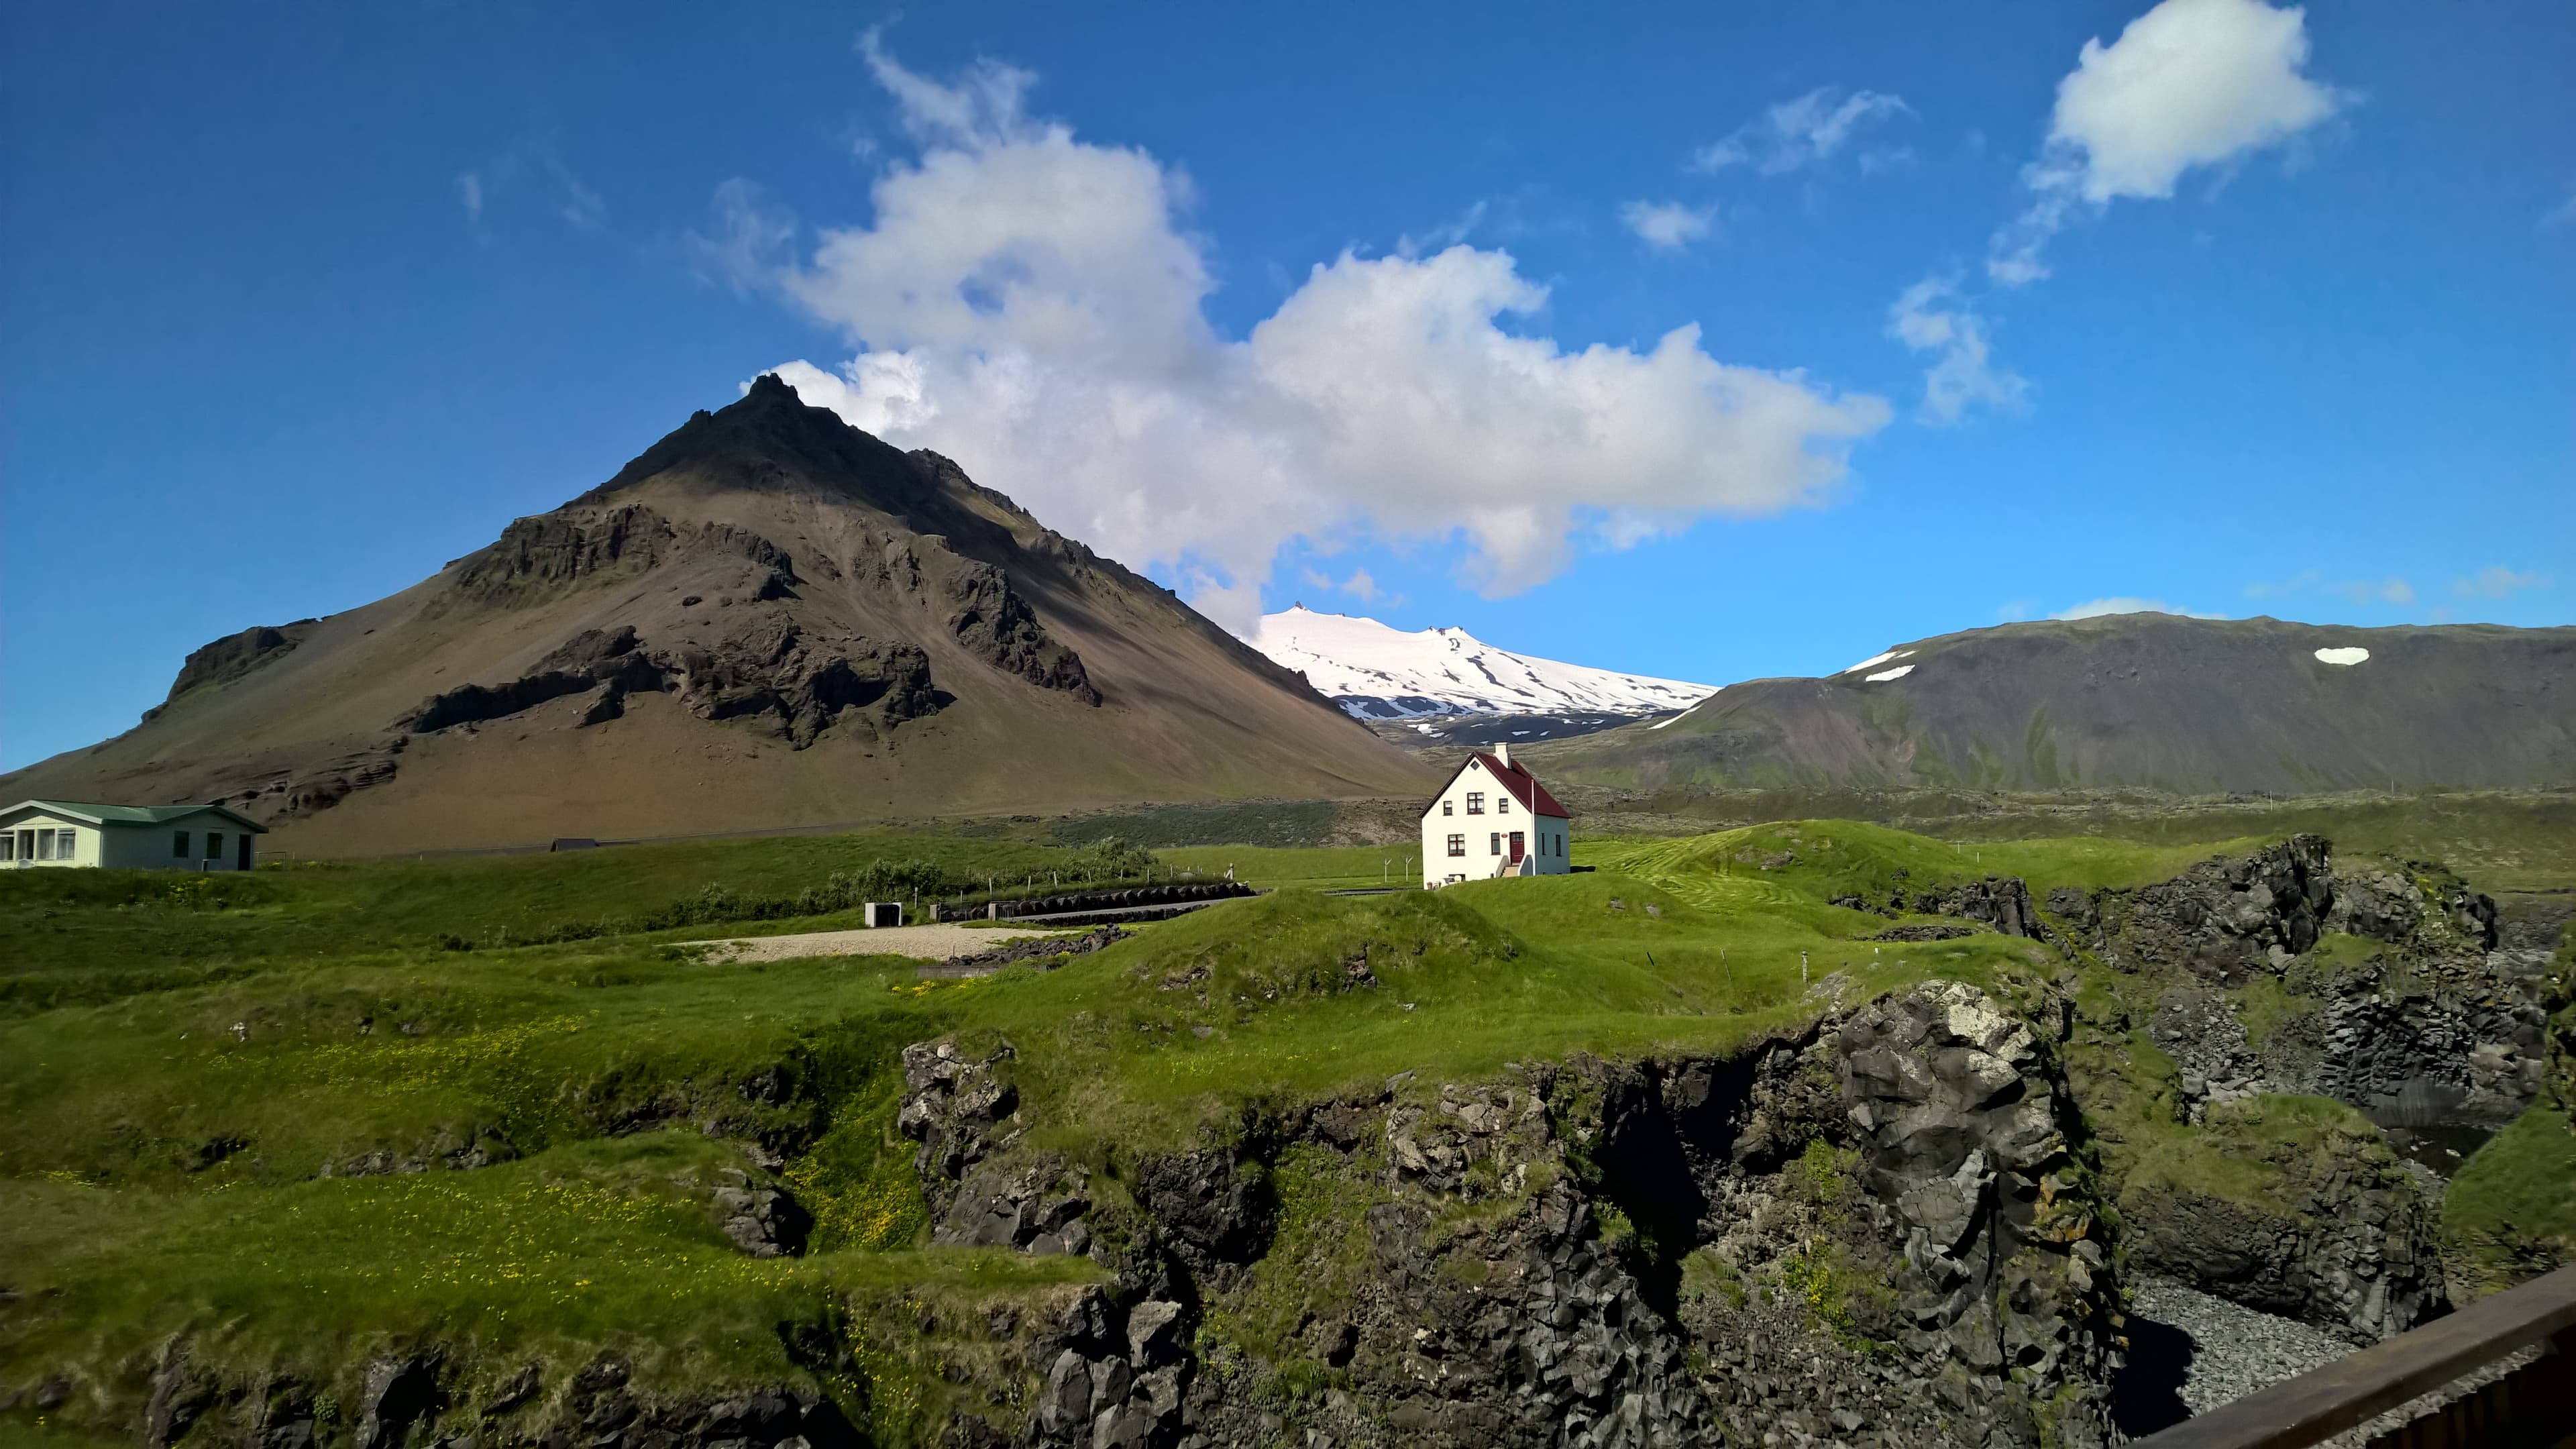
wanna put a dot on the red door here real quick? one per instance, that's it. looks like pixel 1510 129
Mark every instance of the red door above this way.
pixel 1516 847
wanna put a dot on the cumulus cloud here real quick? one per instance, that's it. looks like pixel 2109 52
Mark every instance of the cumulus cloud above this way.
pixel 1031 305
pixel 1667 226
pixel 1931 317
pixel 1801 132
pixel 2191 83
pixel 2123 604
pixel 2498 582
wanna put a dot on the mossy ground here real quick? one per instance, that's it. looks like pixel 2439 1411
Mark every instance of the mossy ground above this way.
pixel 178 1061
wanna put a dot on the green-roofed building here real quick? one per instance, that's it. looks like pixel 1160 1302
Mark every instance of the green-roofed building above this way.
pixel 126 837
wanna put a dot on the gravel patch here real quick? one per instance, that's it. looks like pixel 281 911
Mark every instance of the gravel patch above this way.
pixel 2190 1353
pixel 929 943
pixel 2203 1351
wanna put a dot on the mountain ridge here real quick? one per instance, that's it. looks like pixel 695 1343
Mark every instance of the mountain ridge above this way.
pixel 1378 672
pixel 2154 701
pixel 768 618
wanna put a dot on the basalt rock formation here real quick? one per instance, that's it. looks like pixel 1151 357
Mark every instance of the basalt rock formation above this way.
pixel 1873 1230
pixel 769 618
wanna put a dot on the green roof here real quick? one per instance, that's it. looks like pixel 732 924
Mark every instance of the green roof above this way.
pixel 133 814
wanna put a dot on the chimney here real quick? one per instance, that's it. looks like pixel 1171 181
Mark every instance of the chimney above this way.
pixel 1503 752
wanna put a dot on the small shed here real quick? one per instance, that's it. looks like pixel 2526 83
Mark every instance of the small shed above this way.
pixel 126 837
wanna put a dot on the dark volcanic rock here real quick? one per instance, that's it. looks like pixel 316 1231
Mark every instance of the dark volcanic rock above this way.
pixel 235 655
pixel 541 555
pixel 2223 920
pixel 995 623
pixel 765 666
pixel 2342 1239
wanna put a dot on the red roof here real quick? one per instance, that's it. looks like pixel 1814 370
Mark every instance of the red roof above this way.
pixel 1516 778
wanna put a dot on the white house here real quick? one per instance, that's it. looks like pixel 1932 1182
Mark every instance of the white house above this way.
pixel 1492 818
pixel 126 837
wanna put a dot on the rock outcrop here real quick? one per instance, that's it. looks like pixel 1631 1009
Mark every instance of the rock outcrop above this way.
pixel 2332 1231
pixel 235 655
pixel 1874 1231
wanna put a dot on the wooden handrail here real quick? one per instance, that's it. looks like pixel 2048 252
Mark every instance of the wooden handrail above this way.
pixel 2330 1399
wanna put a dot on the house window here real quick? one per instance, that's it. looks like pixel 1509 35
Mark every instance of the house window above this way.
pixel 8 845
pixel 1457 845
pixel 1502 804
pixel 1498 842
pixel 1448 807
pixel 26 845
pixel 214 845
pixel 178 845
pixel 1475 802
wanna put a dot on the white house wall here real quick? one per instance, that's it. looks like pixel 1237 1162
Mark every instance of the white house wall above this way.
pixel 85 842
pixel 1439 866
pixel 135 847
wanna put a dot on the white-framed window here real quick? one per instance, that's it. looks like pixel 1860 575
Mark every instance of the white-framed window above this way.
pixel 1475 802
pixel 44 845
pixel 1457 845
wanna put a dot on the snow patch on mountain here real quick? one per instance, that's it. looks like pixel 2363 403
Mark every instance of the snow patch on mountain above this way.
pixel 1377 672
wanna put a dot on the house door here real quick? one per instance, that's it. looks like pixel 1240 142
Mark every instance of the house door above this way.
pixel 1516 847
pixel 241 853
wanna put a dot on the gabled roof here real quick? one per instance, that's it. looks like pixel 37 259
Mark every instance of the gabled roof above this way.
pixel 1514 777
pixel 104 815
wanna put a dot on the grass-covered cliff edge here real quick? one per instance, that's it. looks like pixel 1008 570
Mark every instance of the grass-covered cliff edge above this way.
pixel 1817 1126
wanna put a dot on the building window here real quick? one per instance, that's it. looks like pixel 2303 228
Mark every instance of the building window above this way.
pixel 26 845
pixel 1498 842
pixel 178 845
pixel 1475 802
pixel 214 845
pixel 1448 807
pixel 1457 845
pixel 1502 804
pixel 8 845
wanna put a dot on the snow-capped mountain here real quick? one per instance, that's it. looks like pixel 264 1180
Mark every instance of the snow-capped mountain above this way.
pixel 1376 672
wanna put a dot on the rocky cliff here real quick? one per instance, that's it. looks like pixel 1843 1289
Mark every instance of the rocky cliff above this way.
pixel 1875 1229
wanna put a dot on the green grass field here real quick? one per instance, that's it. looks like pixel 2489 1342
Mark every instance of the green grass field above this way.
pixel 190 1075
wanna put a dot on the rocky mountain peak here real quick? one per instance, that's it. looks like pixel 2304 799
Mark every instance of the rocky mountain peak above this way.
pixel 771 440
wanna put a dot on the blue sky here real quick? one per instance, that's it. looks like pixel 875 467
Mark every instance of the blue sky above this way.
pixel 300 301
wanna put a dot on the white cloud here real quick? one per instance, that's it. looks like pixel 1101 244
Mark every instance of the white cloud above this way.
pixel 2122 604
pixel 534 161
pixel 2498 582
pixel 2191 83
pixel 1799 132
pixel 1031 305
pixel 1932 317
pixel 1667 226
pixel 750 235
pixel 2560 215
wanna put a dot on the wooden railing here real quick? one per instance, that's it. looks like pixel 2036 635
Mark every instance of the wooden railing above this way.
pixel 2534 1405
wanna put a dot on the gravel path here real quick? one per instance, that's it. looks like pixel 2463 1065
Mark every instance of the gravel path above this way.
pixel 929 943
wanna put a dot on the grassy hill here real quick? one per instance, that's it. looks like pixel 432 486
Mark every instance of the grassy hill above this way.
pixel 244 1110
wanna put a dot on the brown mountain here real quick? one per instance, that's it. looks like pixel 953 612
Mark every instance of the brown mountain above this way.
pixel 769 619
pixel 2145 700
